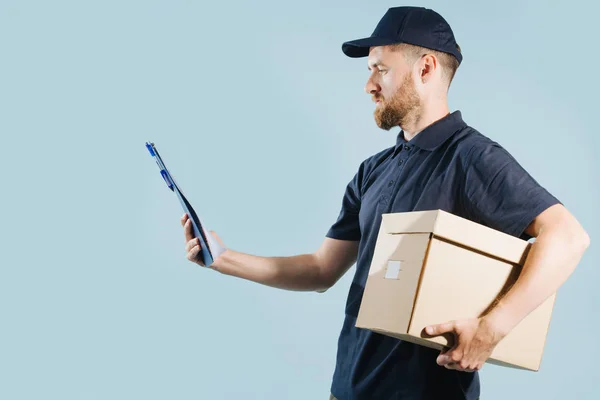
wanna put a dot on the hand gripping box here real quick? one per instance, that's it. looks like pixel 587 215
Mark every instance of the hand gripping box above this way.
pixel 431 267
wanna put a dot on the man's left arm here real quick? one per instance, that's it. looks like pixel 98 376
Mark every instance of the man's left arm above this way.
pixel 559 245
pixel 502 194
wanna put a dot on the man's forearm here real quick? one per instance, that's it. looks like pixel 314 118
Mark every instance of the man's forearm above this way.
pixel 552 259
pixel 298 273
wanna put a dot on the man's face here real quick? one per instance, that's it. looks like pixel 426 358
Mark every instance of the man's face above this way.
pixel 392 87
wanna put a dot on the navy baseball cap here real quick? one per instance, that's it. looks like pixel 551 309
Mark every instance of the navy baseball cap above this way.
pixel 419 26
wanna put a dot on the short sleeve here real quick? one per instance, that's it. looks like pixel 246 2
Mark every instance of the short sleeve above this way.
pixel 347 226
pixel 500 193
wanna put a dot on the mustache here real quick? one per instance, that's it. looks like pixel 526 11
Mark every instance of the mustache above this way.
pixel 377 97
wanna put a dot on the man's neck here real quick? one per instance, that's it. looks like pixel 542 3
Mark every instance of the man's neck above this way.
pixel 428 116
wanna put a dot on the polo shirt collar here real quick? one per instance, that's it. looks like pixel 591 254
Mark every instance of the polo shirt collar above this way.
pixel 435 134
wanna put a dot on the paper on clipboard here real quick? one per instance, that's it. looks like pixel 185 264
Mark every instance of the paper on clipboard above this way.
pixel 211 249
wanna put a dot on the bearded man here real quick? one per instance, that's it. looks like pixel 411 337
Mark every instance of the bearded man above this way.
pixel 437 162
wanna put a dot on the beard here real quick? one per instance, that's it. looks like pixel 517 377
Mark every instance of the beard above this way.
pixel 403 108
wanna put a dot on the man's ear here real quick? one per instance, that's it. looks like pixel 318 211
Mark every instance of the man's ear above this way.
pixel 427 66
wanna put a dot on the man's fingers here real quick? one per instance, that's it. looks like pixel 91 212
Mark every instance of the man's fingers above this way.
pixel 444 359
pixel 183 219
pixel 454 355
pixel 458 367
pixel 450 357
pixel 191 244
pixel 450 366
pixel 445 356
pixel 462 366
pixel 439 329
pixel 194 255
pixel 457 361
pixel 188 230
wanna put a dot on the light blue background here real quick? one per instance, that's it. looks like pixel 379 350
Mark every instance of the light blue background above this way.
pixel 263 121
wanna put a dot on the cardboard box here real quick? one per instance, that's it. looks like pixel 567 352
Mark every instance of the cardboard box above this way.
pixel 431 267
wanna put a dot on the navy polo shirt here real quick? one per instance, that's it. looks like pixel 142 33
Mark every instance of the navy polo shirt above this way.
pixel 448 166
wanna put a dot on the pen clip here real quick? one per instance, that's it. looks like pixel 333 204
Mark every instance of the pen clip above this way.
pixel 167 179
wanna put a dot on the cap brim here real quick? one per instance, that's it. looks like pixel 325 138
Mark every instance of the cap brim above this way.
pixel 360 47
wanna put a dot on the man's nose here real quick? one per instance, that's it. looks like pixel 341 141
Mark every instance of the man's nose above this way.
pixel 372 87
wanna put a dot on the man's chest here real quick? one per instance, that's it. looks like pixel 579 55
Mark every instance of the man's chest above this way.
pixel 411 183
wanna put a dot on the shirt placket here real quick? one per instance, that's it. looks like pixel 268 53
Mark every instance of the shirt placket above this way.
pixel 392 185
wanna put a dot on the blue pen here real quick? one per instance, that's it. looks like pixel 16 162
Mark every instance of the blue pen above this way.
pixel 163 171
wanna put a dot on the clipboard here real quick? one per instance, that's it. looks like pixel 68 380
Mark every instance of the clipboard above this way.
pixel 211 249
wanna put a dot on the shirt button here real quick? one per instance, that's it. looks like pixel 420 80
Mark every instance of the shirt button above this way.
pixel 390 184
pixel 406 147
pixel 401 161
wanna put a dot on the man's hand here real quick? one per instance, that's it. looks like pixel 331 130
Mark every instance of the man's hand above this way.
pixel 192 244
pixel 475 339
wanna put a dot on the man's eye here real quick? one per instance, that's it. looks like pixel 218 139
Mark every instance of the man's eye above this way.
pixel 381 71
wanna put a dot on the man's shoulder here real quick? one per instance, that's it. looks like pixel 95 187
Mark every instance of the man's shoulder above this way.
pixel 372 161
pixel 470 138
pixel 473 145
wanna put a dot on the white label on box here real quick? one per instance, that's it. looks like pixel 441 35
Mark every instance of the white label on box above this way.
pixel 393 269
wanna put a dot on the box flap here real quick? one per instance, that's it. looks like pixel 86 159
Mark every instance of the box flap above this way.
pixel 409 222
pixel 459 230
